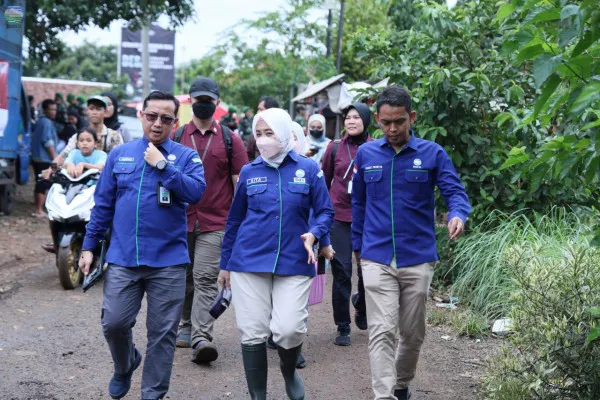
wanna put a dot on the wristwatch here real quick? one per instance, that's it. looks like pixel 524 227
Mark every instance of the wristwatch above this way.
pixel 161 165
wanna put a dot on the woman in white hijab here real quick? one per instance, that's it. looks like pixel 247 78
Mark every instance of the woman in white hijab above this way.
pixel 318 139
pixel 264 256
pixel 300 145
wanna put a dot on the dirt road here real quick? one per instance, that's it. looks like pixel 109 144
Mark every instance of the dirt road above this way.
pixel 52 348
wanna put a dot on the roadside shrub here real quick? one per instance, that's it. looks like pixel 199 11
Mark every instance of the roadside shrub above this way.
pixel 556 285
pixel 482 270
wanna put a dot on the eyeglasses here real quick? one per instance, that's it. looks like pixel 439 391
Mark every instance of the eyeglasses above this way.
pixel 165 119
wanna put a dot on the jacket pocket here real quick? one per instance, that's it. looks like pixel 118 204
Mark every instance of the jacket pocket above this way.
pixel 418 184
pixel 255 194
pixel 375 184
pixel 124 174
pixel 299 193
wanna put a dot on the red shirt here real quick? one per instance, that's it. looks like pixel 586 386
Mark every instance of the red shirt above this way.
pixel 211 212
pixel 338 176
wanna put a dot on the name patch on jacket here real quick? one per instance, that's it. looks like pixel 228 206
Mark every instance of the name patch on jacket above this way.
pixel 299 180
pixel 373 167
pixel 254 181
pixel 126 159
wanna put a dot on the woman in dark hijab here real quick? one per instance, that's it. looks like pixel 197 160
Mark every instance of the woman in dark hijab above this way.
pixel 111 118
pixel 338 162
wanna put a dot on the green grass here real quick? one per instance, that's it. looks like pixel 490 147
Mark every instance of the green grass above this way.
pixel 481 263
pixel 462 322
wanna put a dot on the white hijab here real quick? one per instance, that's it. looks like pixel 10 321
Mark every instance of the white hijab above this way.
pixel 300 138
pixel 321 119
pixel 281 124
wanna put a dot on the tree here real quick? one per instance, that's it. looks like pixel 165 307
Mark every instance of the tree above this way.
pixel 87 63
pixel 559 45
pixel 45 19
pixel 291 52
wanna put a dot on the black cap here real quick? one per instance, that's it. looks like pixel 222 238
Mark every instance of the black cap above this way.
pixel 204 87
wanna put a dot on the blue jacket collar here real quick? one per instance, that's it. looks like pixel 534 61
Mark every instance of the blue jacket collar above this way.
pixel 292 154
pixel 413 142
pixel 167 144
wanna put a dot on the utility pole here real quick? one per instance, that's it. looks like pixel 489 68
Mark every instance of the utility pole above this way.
pixel 328 33
pixel 338 63
pixel 146 60
pixel 181 88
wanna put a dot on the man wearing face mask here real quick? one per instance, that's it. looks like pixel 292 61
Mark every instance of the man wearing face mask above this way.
pixel 223 155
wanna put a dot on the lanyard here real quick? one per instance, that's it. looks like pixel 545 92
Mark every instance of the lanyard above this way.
pixel 207 146
pixel 351 161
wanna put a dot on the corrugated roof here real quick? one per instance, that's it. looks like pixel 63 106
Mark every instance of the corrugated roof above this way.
pixel 316 88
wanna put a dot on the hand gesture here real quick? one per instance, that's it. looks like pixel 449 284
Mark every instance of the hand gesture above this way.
pixel 455 227
pixel 79 170
pixel 327 252
pixel 224 279
pixel 85 261
pixel 72 170
pixel 152 155
pixel 46 173
pixel 309 241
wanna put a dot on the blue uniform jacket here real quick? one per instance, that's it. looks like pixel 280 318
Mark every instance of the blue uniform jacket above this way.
pixel 393 200
pixel 145 233
pixel 269 213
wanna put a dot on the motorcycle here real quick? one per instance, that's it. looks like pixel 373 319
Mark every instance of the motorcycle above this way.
pixel 69 204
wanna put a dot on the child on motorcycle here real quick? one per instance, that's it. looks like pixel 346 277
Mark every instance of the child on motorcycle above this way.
pixel 84 157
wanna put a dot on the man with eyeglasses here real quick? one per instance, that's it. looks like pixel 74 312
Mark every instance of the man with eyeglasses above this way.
pixel 143 193
pixel 223 155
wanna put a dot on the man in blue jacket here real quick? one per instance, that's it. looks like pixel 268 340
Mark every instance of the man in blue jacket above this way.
pixel 393 232
pixel 143 193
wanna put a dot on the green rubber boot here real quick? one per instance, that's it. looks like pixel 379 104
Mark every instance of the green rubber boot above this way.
pixel 294 386
pixel 255 365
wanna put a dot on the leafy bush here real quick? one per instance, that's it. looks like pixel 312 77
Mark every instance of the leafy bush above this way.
pixel 483 275
pixel 555 286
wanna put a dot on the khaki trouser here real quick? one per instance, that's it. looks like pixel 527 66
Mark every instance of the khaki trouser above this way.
pixel 396 300
pixel 267 303
pixel 201 284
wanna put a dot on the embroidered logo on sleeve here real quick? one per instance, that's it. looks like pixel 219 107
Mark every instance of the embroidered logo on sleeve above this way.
pixel 197 160
pixel 320 174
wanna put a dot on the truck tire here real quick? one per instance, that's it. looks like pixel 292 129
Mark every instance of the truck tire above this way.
pixel 7 198
pixel 67 260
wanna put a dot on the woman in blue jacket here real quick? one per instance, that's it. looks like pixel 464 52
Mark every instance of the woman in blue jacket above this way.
pixel 267 256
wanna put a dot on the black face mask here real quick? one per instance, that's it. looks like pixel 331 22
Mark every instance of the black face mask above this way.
pixel 316 133
pixel 204 109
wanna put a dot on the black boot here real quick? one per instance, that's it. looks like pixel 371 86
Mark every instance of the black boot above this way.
pixel 294 386
pixel 255 365
pixel 403 394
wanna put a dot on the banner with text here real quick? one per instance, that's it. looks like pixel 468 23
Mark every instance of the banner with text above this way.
pixel 162 59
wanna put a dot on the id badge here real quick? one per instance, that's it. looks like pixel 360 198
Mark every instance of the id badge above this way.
pixel 349 187
pixel 164 196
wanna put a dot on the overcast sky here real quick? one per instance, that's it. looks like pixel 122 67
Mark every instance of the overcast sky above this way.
pixel 197 36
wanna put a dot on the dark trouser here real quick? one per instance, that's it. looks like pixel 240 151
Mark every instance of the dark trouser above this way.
pixel 123 292
pixel 41 185
pixel 341 268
